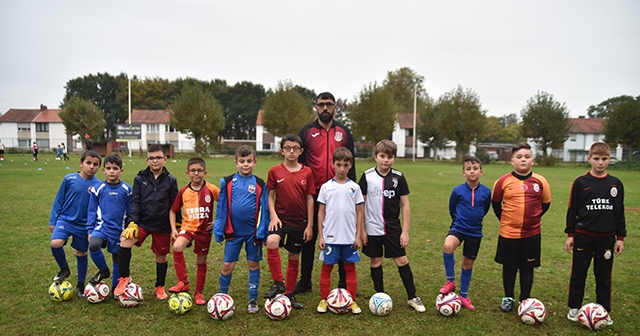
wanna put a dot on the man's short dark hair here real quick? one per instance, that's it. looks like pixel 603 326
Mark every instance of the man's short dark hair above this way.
pixel 326 95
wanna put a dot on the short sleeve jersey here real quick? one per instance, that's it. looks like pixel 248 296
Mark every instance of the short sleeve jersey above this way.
pixel 197 207
pixel 522 198
pixel 382 203
pixel 291 189
pixel 339 226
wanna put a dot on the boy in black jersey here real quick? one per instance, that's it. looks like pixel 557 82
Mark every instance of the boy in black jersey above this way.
pixel 596 229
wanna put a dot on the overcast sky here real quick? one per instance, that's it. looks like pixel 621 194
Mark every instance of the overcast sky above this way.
pixel 581 51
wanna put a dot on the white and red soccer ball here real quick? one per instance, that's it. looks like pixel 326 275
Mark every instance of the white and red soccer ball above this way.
pixel 339 301
pixel 132 296
pixel 97 293
pixel 278 308
pixel 448 304
pixel 221 306
pixel 532 311
pixel 593 316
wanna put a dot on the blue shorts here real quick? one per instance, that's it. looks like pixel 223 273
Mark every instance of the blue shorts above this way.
pixel 336 252
pixel 64 230
pixel 111 244
pixel 233 246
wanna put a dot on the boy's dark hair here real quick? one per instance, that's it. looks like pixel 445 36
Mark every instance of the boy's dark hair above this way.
pixel 471 159
pixel 197 160
pixel 245 150
pixel 290 137
pixel 600 148
pixel 114 159
pixel 387 147
pixel 522 145
pixel 326 95
pixel 90 153
pixel 155 148
pixel 342 154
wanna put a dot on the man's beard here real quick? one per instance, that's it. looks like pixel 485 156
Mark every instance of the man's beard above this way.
pixel 325 117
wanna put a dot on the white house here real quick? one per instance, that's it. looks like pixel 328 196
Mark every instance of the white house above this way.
pixel 156 130
pixel 19 128
pixel 403 137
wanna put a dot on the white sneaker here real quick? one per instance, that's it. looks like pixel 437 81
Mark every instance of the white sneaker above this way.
pixel 573 314
pixel 609 320
pixel 416 303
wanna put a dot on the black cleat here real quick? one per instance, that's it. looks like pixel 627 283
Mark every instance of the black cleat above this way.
pixel 101 275
pixel 277 288
pixel 80 290
pixel 301 287
pixel 294 303
pixel 63 274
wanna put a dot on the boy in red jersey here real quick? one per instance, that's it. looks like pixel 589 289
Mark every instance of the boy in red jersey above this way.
pixel 196 200
pixel 596 228
pixel 519 200
pixel 291 189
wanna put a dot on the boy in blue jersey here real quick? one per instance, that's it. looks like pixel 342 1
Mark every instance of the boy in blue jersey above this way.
pixel 109 206
pixel 69 218
pixel 242 216
pixel 468 204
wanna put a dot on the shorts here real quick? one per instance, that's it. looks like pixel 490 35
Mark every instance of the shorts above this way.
pixel 111 244
pixel 203 241
pixel 161 243
pixel 336 252
pixel 519 252
pixel 63 231
pixel 471 244
pixel 294 238
pixel 390 242
pixel 232 249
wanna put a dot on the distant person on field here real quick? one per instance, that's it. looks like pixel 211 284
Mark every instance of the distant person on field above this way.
pixel 197 203
pixel 596 227
pixel 64 151
pixel 88 142
pixel 468 204
pixel 242 218
pixel 109 205
pixel 69 218
pixel 154 190
pixel 59 153
pixel 291 191
pixel 2 148
pixel 34 150
pixel 519 200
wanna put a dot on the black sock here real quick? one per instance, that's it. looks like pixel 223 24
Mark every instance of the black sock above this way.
pixel 124 259
pixel 377 277
pixel 526 282
pixel 161 273
pixel 407 279
pixel 509 279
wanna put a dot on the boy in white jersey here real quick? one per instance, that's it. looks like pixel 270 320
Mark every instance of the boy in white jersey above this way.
pixel 386 196
pixel 340 227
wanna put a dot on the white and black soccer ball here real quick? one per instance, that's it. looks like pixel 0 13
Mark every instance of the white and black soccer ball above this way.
pixel 380 304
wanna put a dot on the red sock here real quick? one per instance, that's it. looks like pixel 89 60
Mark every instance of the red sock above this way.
pixel 180 266
pixel 201 276
pixel 325 281
pixel 275 265
pixel 292 275
pixel 352 281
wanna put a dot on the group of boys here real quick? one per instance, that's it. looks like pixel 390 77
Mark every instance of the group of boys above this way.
pixel 595 226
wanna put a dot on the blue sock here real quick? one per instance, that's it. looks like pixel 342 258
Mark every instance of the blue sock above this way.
pixel 449 263
pixel 83 264
pixel 115 275
pixel 465 279
pixel 225 281
pixel 98 259
pixel 60 257
pixel 254 281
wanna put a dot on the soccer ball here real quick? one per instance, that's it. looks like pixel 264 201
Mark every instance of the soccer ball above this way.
pixel 61 291
pixel 131 297
pixel 221 306
pixel 380 304
pixel 97 293
pixel 339 301
pixel 278 308
pixel 593 316
pixel 180 303
pixel 448 304
pixel 532 311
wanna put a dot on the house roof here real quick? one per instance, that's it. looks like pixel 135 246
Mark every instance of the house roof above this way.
pixel 150 116
pixel 31 115
pixel 405 120
pixel 259 119
pixel 586 125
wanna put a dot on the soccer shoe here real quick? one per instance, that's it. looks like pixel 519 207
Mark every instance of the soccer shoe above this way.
pixel 322 306
pixel 63 274
pixel 277 288
pixel 294 303
pixel 199 299
pixel 466 302
pixel 101 275
pixel 160 293
pixel 416 303
pixel 253 306
pixel 573 314
pixel 355 308
pixel 179 287
pixel 302 287
pixel 609 320
pixel 122 285
pixel 507 304
pixel 80 290
pixel 448 287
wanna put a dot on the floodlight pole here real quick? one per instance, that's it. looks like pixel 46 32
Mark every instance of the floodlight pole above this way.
pixel 415 105
pixel 129 142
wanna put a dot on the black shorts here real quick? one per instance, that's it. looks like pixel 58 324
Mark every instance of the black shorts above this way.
pixel 471 244
pixel 519 252
pixel 294 238
pixel 390 242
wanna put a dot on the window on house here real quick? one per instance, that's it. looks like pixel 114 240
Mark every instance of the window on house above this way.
pixel 574 137
pixel 153 128
pixel 42 127
pixel 24 127
pixel 23 143
pixel 409 132
pixel 171 129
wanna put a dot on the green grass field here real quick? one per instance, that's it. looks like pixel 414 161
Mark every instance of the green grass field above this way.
pixel 27 267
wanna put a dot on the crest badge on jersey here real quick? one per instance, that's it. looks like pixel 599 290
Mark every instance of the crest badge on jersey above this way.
pixel 614 191
pixel 524 187
pixel 395 182
pixel 207 199
pixel 536 187
pixel 252 188
pixel 338 136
